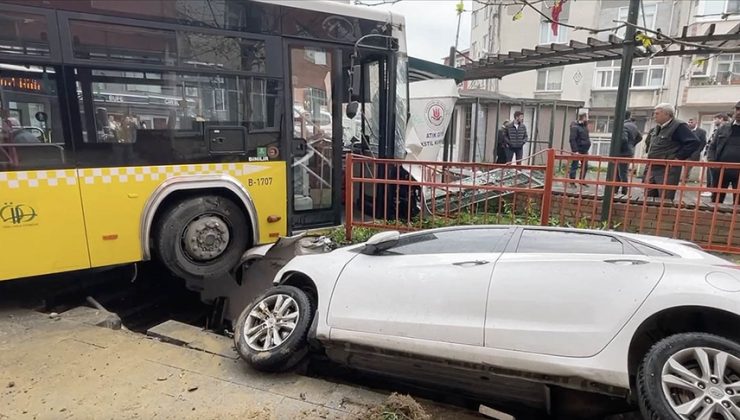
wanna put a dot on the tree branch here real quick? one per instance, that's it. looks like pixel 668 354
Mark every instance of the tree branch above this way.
pixel 661 36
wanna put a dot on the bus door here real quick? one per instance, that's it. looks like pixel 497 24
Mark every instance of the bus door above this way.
pixel 315 134
pixel 42 228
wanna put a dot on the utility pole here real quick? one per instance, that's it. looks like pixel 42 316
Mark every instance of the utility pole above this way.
pixel 628 52
pixel 447 143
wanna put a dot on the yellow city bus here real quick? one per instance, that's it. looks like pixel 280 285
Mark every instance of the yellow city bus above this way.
pixel 183 130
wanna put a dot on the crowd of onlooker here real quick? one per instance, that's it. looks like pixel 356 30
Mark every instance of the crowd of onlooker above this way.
pixel 670 139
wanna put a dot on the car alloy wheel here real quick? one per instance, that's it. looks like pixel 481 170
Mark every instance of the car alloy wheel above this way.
pixel 702 383
pixel 271 322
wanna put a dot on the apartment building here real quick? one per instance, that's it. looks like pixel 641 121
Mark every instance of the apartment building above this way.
pixel 697 91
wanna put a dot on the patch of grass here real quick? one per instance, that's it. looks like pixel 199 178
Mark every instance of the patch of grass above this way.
pixel 396 407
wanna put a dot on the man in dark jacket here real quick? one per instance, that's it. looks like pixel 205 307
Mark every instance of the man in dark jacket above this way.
pixel 671 139
pixel 701 134
pixel 516 137
pixel 726 148
pixel 631 136
pixel 501 144
pixel 580 142
pixel 719 119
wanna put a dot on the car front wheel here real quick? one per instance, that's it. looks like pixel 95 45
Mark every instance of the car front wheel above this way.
pixel 692 376
pixel 271 333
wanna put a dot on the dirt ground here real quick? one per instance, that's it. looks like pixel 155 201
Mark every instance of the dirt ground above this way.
pixel 59 368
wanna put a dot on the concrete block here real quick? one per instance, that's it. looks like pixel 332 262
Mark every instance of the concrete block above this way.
pixel 92 316
pixel 181 334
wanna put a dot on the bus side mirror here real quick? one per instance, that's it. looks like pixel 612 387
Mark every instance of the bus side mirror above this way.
pixel 352 109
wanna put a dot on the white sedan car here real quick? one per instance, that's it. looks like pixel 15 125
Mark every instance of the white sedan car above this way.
pixel 522 313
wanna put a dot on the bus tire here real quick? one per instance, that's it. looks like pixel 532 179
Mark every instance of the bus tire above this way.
pixel 202 237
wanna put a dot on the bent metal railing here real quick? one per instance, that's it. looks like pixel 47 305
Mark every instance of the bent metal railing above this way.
pixel 659 197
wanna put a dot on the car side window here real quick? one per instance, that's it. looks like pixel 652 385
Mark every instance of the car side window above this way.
pixel 649 250
pixel 449 242
pixel 563 242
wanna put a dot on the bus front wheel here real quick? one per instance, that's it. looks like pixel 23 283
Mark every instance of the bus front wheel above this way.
pixel 202 237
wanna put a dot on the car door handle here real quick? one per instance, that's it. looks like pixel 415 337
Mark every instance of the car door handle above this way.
pixel 476 262
pixel 626 262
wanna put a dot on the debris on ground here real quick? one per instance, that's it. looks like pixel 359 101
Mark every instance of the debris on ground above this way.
pixel 192 388
pixel 396 407
pixel 11 384
pixel 494 414
pixel 314 413
pixel 263 414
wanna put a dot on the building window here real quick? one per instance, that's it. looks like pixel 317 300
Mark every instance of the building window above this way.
pixel 475 18
pixel 473 50
pixel 728 69
pixel 601 124
pixel 316 56
pixel 645 74
pixel 547 37
pixel 549 80
pixel 715 9
pixel 486 47
pixel 648 18
pixel 702 69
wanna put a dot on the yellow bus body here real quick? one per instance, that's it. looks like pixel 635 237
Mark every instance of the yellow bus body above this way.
pixel 70 219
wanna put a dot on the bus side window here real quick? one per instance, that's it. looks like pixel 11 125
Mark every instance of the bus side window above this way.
pixel 151 117
pixel 32 134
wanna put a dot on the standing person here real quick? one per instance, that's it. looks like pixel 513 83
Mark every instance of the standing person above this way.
pixel 726 148
pixel 700 134
pixel 580 142
pixel 719 119
pixel 631 136
pixel 516 137
pixel 501 143
pixel 671 139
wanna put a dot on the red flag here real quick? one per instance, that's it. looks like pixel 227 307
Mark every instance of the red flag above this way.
pixel 557 7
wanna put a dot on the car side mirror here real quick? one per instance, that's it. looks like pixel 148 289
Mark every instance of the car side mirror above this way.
pixel 352 109
pixel 382 241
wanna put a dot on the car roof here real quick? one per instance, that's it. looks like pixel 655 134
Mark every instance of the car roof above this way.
pixel 678 247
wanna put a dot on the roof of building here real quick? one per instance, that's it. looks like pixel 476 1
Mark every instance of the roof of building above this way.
pixel 553 55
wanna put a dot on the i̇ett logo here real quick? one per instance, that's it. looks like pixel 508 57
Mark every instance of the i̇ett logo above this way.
pixel 17 214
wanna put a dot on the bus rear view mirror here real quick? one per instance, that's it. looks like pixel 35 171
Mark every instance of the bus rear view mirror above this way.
pixel 352 109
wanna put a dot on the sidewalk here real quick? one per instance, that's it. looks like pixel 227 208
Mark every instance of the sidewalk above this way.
pixel 60 368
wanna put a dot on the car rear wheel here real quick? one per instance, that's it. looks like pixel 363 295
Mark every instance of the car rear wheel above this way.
pixel 692 376
pixel 271 333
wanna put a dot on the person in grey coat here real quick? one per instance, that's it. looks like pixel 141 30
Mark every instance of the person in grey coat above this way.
pixel 516 137
pixel 671 139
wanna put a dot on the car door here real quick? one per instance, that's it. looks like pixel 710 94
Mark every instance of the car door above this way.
pixel 565 293
pixel 431 286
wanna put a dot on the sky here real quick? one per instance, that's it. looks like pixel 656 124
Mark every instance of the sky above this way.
pixel 431 26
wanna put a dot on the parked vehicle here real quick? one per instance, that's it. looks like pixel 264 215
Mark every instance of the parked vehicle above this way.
pixel 480 308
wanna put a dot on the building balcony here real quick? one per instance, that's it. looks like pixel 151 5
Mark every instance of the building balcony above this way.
pixel 712 91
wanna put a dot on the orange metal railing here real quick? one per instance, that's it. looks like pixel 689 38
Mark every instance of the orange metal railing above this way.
pixel 659 197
